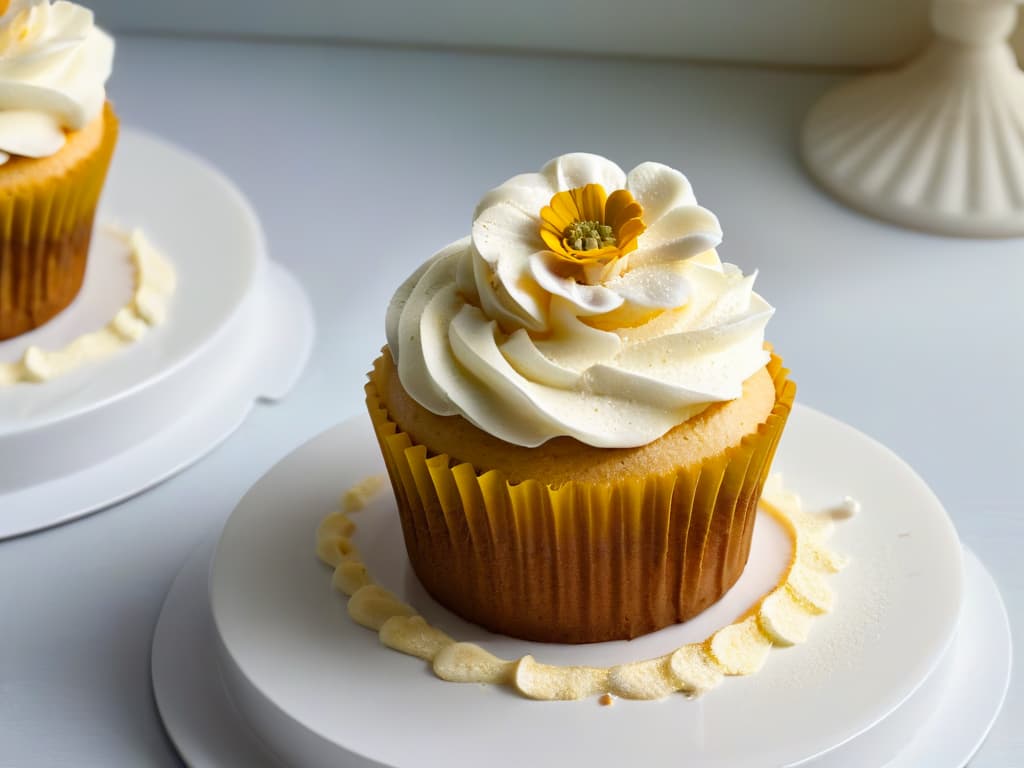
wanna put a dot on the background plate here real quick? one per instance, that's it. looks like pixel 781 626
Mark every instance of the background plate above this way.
pixel 204 226
pixel 240 329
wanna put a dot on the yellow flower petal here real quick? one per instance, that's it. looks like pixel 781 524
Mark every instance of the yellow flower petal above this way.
pixel 628 234
pixel 553 241
pixel 551 218
pixel 617 203
pixel 564 205
pixel 592 202
pixel 596 256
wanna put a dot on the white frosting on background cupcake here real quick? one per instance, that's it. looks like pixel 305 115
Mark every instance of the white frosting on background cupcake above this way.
pixel 54 63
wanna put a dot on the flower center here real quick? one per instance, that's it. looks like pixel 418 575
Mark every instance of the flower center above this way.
pixel 588 235
pixel 592 232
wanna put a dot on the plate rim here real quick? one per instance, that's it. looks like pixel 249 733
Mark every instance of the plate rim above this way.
pixel 268 372
pixel 172 618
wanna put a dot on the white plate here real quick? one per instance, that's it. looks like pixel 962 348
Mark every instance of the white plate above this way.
pixel 303 673
pixel 940 726
pixel 943 732
pixel 239 329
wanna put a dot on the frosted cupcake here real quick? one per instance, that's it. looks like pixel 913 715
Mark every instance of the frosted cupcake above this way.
pixel 577 408
pixel 57 135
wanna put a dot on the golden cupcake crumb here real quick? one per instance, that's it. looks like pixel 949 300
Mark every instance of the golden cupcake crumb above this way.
pixel 606 700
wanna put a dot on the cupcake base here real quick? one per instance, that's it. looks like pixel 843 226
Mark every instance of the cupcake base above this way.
pixel 50 275
pixel 47 207
pixel 580 562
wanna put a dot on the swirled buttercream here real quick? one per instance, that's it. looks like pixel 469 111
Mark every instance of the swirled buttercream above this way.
pixel 587 302
pixel 54 63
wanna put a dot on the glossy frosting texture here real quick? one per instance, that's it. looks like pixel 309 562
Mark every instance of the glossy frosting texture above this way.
pixel 54 63
pixel 528 344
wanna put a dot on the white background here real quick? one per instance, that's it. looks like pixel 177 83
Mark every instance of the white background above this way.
pixel 819 32
pixel 816 33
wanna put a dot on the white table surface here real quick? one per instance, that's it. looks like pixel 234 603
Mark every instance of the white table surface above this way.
pixel 361 162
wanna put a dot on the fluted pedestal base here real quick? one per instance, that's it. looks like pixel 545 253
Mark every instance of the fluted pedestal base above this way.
pixel 937 145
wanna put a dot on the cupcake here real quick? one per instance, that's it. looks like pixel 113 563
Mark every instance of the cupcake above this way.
pixel 577 408
pixel 57 135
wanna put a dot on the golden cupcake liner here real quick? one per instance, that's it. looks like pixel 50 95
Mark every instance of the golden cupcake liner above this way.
pixel 45 230
pixel 582 562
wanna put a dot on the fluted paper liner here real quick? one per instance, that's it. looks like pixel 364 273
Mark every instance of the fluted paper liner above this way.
pixel 45 230
pixel 582 562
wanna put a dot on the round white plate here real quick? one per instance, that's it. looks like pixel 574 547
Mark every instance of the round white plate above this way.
pixel 302 672
pixel 239 329
pixel 942 727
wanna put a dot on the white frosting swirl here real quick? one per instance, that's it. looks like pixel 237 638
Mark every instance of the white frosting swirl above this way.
pixel 54 63
pixel 493 330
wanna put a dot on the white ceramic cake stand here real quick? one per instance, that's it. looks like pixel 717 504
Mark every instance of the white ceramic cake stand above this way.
pixel 937 145
pixel 273 652
pixel 239 329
